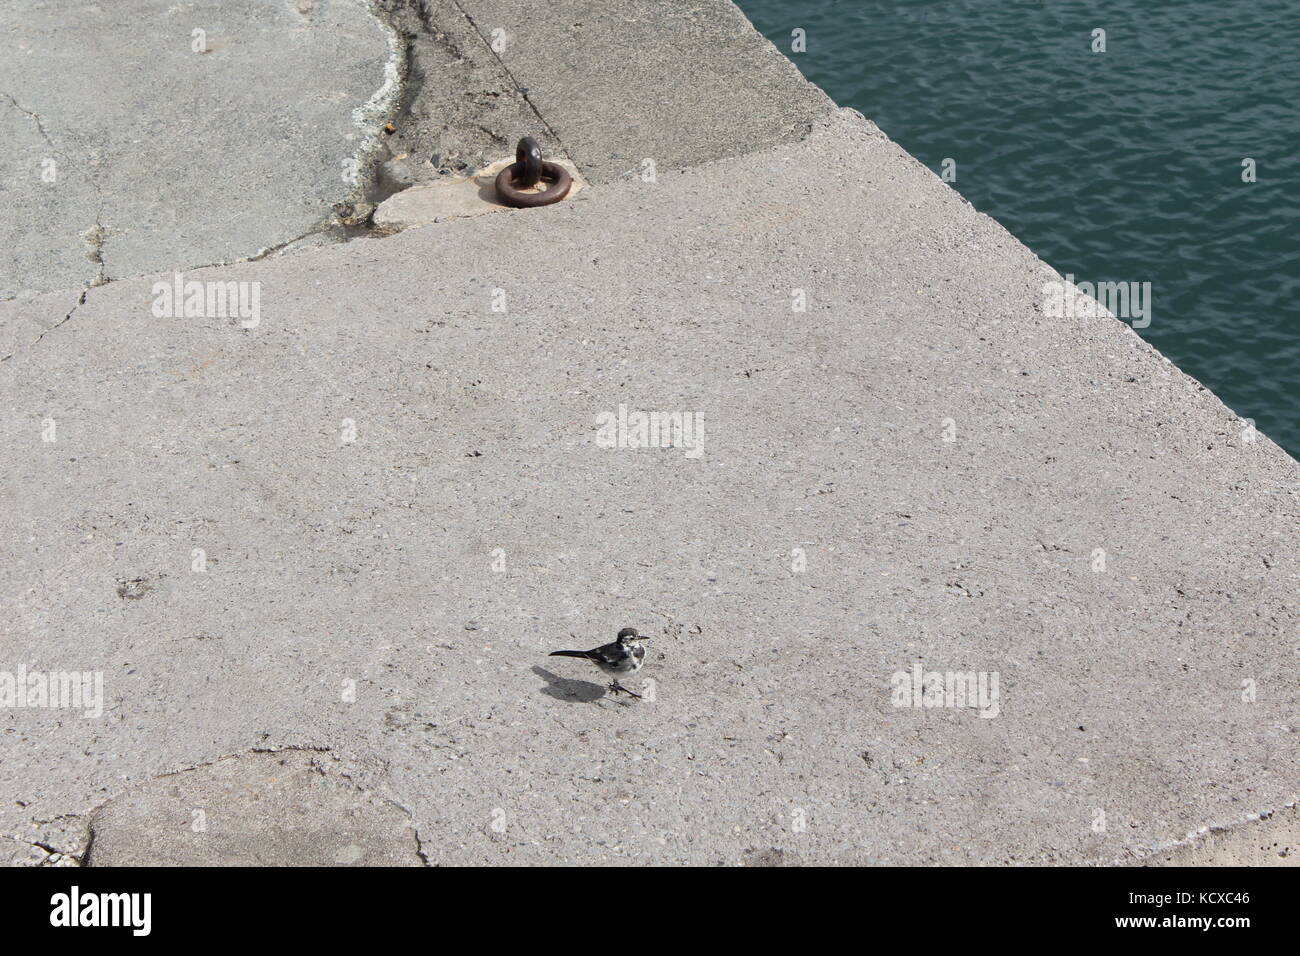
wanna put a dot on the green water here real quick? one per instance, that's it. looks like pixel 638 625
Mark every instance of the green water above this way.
pixel 1123 165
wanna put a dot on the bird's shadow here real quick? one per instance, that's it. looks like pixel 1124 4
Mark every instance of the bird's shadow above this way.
pixel 569 691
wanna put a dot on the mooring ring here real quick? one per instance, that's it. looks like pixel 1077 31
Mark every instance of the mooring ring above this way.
pixel 509 189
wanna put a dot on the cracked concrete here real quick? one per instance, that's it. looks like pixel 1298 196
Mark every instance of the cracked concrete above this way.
pixel 1271 840
pixel 351 534
pixel 349 600
pixel 61 841
pixel 460 109
pixel 198 149
pixel 292 806
pixel 281 808
pixel 48 237
pixel 152 135
pixel 673 84
pixel 25 321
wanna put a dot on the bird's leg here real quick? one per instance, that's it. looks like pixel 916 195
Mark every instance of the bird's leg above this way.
pixel 616 688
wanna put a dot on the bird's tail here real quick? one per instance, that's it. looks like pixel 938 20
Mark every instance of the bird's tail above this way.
pixel 585 655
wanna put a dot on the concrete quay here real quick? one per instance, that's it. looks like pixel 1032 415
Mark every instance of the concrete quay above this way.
pixel 318 551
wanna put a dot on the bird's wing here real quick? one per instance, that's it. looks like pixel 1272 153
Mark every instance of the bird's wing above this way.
pixel 612 653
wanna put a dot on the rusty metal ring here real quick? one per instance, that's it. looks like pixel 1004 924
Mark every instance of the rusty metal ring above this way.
pixel 509 179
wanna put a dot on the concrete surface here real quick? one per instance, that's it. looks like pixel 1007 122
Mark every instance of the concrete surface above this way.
pixel 675 83
pixel 24 321
pixel 460 109
pixel 358 525
pixel 1271 841
pixel 50 237
pixel 619 91
pixel 263 134
pixel 173 150
pixel 456 197
pixel 269 809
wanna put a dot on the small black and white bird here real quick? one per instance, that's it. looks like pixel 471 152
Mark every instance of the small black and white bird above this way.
pixel 621 658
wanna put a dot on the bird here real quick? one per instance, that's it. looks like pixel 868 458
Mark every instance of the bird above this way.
pixel 622 657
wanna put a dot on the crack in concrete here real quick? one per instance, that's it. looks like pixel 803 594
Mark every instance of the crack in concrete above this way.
pixel 370 117
pixel 40 125
pixel 339 226
pixel 96 238
pixel 523 92
pixel 97 235
pixel 90 819
pixel 81 300
pixel 55 855
pixel 52 851
pixel 1202 835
